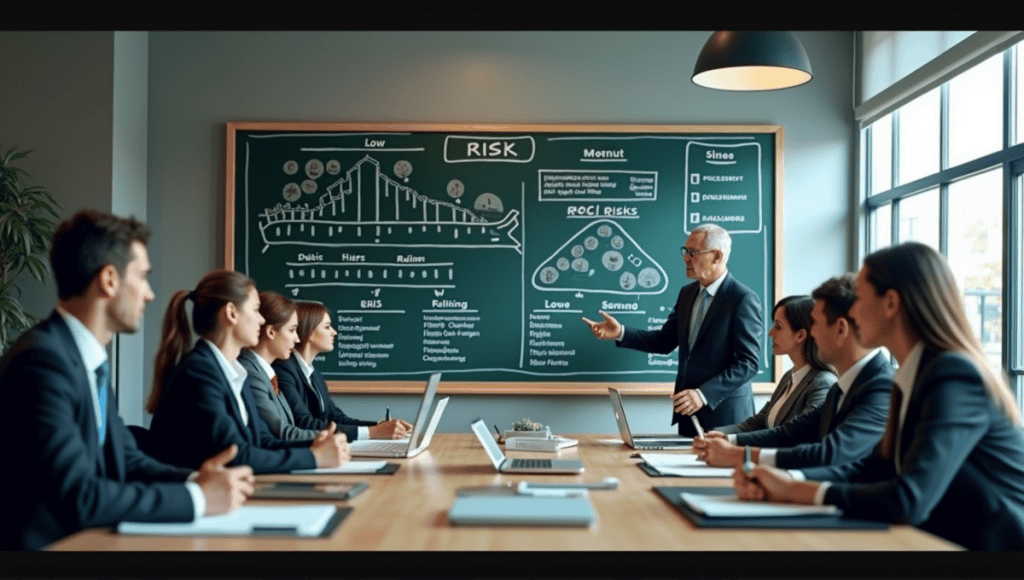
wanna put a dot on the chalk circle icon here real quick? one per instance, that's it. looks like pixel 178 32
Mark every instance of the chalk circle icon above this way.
pixel 576 251
pixel 291 192
pixel 562 264
pixel 580 265
pixel 314 168
pixel 604 231
pixel 309 186
pixel 590 243
pixel 403 169
pixel 627 281
pixel 333 167
pixel 612 260
pixel 617 242
pixel 649 277
pixel 291 167
pixel 455 189
pixel 548 275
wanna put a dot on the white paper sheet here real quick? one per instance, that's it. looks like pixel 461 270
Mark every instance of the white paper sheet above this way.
pixel 696 471
pixel 730 506
pixel 672 460
pixel 307 520
pixel 347 467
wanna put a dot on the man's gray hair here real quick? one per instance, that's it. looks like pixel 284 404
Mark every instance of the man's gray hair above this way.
pixel 717 239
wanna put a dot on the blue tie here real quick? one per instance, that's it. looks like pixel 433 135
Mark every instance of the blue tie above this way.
pixel 700 316
pixel 102 374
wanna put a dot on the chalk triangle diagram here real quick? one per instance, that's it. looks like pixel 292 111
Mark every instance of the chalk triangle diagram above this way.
pixel 601 258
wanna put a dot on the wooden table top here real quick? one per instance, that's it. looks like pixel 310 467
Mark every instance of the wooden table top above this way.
pixel 408 511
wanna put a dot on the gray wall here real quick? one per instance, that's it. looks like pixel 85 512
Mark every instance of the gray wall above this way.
pixel 197 81
pixel 200 80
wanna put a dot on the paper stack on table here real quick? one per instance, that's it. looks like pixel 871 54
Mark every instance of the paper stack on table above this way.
pixel 683 465
pixel 347 467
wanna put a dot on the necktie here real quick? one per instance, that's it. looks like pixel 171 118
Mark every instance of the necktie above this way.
pixel 273 383
pixel 888 445
pixel 102 374
pixel 702 309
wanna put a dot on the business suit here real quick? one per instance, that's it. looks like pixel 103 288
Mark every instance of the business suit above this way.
pixel 809 393
pixel 725 354
pixel 830 436
pixel 961 471
pixel 273 407
pixel 311 401
pixel 199 415
pixel 60 478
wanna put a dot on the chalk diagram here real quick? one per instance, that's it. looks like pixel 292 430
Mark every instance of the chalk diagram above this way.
pixel 367 208
pixel 601 258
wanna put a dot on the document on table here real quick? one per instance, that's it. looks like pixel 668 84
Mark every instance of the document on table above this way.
pixel 731 506
pixel 305 520
pixel 683 465
pixel 347 467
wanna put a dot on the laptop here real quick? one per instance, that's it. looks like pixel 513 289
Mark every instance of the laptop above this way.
pixel 505 465
pixel 667 441
pixel 418 440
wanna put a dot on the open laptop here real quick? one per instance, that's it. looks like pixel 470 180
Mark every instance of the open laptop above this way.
pixel 504 465
pixel 667 441
pixel 418 440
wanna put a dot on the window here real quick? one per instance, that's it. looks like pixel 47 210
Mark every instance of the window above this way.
pixel 947 169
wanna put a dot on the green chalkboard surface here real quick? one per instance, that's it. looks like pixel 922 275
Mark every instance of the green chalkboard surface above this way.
pixel 475 250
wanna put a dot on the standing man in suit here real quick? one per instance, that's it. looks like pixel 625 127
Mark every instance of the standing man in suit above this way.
pixel 716 325
pixel 850 420
pixel 75 464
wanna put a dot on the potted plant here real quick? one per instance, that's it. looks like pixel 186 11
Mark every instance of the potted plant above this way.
pixel 26 229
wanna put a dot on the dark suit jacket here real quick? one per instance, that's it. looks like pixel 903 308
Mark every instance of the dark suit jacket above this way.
pixel 310 411
pixel 273 408
pixel 60 480
pixel 809 393
pixel 961 459
pixel 824 436
pixel 725 354
pixel 199 416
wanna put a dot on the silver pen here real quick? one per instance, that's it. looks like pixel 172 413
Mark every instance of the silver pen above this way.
pixel 696 425
pixel 748 465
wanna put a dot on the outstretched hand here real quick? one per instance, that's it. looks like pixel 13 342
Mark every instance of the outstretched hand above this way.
pixel 225 488
pixel 607 329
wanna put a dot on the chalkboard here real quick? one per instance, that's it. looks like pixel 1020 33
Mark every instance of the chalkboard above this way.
pixel 475 250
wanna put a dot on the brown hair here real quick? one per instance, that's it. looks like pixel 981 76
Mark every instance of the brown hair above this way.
pixel 838 294
pixel 934 310
pixel 211 294
pixel 275 310
pixel 86 243
pixel 310 315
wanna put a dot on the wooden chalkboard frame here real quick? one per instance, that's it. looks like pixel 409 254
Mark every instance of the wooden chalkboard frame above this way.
pixel 506 388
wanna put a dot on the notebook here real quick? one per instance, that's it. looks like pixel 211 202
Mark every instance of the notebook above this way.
pixel 505 465
pixel 522 510
pixel 667 441
pixel 405 447
pixel 304 520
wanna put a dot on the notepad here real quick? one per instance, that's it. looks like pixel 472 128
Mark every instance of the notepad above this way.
pixel 306 520
pixel 731 506
pixel 347 467
pixel 522 510
pixel 683 465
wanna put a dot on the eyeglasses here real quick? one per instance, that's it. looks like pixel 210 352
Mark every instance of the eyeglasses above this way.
pixel 688 253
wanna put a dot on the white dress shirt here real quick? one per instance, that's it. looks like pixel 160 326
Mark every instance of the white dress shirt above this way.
pixel 93 355
pixel 362 432
pixel 794 380
pixel 235 374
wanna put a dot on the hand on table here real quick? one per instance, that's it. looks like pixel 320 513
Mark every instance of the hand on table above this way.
pixel 225 488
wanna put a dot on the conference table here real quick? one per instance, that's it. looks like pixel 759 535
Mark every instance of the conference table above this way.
pixel 408 511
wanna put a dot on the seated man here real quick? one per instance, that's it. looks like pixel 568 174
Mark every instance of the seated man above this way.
pixel 72 462
pixel 849 422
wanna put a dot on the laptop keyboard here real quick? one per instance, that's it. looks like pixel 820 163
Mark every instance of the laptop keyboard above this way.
pixel 531 464
pixel 385 446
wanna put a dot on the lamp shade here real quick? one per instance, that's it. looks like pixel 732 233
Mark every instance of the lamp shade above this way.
pixel 752 61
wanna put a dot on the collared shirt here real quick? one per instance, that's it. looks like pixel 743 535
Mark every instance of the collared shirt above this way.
pixel 267 369
pixel 93 355
pixel 794 380
pixel 307 370
pixel 235 374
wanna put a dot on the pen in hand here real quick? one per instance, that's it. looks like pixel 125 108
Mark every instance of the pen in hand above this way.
pixel 748 465
pixel 387 414
pixel 696 425
pixel 498 431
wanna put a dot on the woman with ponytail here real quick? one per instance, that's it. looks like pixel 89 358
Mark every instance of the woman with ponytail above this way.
pixel 201 397
pixel 951 460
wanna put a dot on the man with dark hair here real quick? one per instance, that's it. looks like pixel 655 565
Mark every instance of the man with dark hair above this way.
pixel 78 466
pixel 850 421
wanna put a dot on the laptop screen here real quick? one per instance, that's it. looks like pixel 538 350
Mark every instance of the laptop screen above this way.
pixel 620 416
pixel 490 445
pixel 421 417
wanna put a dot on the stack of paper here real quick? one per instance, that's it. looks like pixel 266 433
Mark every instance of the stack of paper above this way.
pixel 731 506
pixel 306 520
pixel 347 467
pixel 683 465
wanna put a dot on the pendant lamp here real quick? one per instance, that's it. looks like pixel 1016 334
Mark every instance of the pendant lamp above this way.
pixel 752 61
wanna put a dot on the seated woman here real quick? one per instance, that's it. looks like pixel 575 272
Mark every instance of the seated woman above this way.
pixel 951 460
pixel 278 338
pixel 804 386
pixel 306 391
pixel 201 399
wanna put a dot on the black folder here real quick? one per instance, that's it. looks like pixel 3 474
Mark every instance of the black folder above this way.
pixel 671 495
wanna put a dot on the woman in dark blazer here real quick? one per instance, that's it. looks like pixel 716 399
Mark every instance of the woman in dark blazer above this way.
pixel 951 461
pixel 306 390
pixel 791 336
pixel 205 401
pixel 278 337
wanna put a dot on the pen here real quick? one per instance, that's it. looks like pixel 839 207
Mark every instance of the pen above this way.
pixel 696 424
pixel 748 465
pixel 387 413
pixel 498 431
